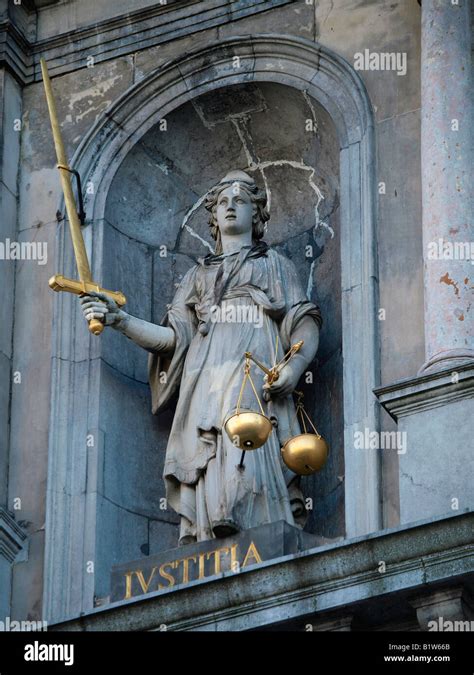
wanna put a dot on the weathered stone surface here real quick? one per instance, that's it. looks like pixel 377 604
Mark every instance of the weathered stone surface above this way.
pixel 5 379
pixel 168 272
pixel 325 488
pixel 10 130
pixel 151 216
pixel 30 400
pixel 390 476
pixel 133 276
pixel 136 453
pixel 120 536
pixel 430 471
pixel 60 19
pixel 80 98
pixel 349 27
pixel 29 442
pixel 298 15
pixel 148 60
pixel 5 585
pixel 163 534
pixel 41 191
pixel 10 114
pixel 400 248
pixel 7 269
pixel 434 412
pixel 145 27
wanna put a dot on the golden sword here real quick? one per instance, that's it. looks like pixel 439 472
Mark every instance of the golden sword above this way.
pixel 58 282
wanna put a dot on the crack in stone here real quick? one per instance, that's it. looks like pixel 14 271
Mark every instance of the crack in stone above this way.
pixel 313 111
pixel 425 487
pixel 140 513
pixel 252 156
pixel 240 123
pixel 329 12
pixel 192 232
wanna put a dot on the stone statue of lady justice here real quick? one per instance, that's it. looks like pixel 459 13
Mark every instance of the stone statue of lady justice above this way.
pixel 201 352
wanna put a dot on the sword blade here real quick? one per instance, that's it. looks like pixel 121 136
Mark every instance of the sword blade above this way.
pixel 80 252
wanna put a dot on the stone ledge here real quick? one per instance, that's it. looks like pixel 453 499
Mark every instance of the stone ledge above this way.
pixel 425 392
pixel 417 558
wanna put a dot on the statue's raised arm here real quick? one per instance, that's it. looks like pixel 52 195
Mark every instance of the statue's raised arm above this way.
pixel 150 336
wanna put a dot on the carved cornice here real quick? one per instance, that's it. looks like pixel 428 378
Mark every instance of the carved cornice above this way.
pixel 119 36
pixel 426 392
pixel 15 52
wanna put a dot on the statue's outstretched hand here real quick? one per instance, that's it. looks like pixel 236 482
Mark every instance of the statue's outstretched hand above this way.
pixel 285 385
pixel 100 306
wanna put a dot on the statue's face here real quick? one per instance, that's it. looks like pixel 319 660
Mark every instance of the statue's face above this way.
pixel 234 211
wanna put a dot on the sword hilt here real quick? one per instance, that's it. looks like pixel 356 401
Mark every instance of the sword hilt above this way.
pixel 60 283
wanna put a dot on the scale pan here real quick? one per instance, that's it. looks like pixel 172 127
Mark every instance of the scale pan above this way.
pixel 305 454
pixel 247 429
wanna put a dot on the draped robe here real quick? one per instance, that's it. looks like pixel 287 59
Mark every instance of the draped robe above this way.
pixel 203 482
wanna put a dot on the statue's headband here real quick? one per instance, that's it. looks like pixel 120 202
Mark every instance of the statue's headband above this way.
pixel 249 185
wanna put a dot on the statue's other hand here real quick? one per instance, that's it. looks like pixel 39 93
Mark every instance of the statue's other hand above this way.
pixel 286 383
pixel 100 306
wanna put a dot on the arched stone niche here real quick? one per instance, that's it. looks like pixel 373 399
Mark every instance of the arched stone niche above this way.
pixel 260 127
pixel 104 502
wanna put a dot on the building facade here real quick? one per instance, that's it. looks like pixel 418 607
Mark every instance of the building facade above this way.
pixel 356 116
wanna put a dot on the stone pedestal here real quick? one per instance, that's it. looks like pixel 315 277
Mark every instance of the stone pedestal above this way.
pixel 437 469
pixel 198 561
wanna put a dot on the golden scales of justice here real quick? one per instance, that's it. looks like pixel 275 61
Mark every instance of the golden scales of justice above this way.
pixel 58 282
pixel 305 453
